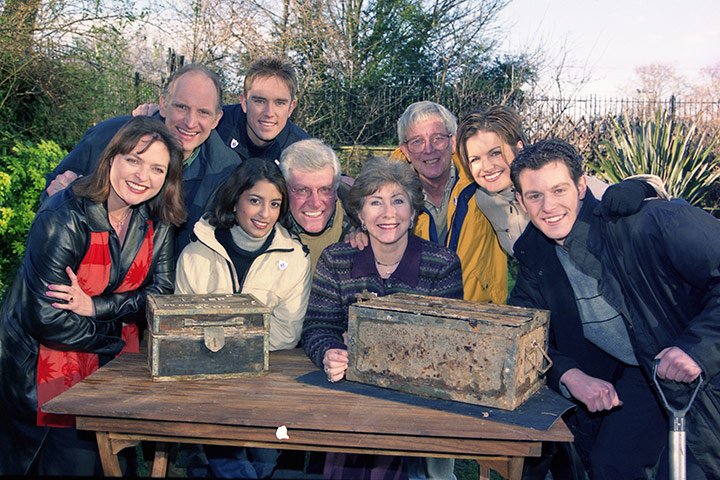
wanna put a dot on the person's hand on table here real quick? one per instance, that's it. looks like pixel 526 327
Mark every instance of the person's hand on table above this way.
pixel 595 393
pixel 335 362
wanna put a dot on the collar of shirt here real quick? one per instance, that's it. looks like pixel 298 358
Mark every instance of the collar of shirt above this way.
pixel 407 270
pixel 449 185
pixel 191 158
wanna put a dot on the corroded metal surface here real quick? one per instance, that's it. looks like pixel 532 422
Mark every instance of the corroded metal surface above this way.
pixel 206 336
pixel 482 354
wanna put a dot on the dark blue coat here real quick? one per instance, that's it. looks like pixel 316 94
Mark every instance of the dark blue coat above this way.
pixel 660 268
pixel 216 163
pixel 232 128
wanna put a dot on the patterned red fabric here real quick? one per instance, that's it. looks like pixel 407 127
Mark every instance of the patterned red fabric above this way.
pixel 57 371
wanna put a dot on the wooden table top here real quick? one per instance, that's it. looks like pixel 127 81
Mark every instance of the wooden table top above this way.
pixel 122 392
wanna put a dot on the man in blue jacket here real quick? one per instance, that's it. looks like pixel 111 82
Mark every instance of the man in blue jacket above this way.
pixel 622 292
pixel 191 106
pixel 259 126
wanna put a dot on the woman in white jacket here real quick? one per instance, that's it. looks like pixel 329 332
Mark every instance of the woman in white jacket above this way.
pixel 239 246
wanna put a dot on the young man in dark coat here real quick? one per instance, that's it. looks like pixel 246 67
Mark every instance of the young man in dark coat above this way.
pixel 622 292
pixel 260 126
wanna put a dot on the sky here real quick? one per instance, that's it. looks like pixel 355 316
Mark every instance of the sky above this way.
pixel 607 39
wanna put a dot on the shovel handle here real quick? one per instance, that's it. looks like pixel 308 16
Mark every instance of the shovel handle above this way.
pixel 676 413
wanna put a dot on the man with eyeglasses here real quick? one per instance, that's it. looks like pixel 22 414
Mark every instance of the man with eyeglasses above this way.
pixel 312 173
pixel 426 131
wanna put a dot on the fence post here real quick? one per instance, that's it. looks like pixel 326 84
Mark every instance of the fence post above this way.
pixel 137 89
pixel 672 107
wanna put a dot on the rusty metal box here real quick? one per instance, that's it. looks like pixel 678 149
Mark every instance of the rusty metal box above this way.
pixel 484 354
pixel 206 336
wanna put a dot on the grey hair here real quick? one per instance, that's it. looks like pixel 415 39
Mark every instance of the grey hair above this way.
pixel 422 111
pixel 380 171
pixel 309 155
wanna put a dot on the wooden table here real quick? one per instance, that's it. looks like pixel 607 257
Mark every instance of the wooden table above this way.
pixel 124 406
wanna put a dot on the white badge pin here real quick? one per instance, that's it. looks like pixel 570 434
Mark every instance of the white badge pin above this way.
pixel 233 143
pixel 282 264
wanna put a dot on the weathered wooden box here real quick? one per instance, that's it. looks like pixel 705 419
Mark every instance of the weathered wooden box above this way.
pixel 484 354
pixel 206 336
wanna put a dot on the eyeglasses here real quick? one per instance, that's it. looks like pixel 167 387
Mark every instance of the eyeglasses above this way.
pixel 438 142
pixel 305 192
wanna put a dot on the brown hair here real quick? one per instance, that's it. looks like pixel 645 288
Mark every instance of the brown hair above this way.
pixel 380 171
pixel 272 67
pixel 498 119
pixel 168 204
pixel 195 67
pixel 544 152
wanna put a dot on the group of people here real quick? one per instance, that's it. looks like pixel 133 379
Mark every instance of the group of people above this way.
pixel 191 196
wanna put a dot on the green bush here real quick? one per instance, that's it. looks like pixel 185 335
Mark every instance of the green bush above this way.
pixel 676 151
pixel 22 179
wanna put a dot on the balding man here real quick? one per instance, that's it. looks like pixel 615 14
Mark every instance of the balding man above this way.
pixel 191 106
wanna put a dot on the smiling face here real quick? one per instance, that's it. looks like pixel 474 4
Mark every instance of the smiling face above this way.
pixel 489 159
pixel 190 110
pixel 137 177
pixel 312 197
pixel 258 208
pixel 430 163
pixel 387 214
pixel 268 105
pixel 551 198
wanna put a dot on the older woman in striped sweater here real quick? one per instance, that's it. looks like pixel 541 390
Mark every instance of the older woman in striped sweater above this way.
pixel 387 196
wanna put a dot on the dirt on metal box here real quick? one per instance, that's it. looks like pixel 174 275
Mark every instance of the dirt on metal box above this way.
pixel 206 336
pixel 484 354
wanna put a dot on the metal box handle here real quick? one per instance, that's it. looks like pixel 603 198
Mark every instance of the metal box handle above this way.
pixel 233 322
pixel 542 370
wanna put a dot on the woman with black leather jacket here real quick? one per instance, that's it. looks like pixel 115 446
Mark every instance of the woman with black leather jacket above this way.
pixel 94 251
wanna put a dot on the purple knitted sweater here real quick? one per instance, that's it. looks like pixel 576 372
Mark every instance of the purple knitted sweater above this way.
pixel 343 271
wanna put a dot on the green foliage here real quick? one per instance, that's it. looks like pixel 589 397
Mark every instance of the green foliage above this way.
pixel 677 152
pixel 22 179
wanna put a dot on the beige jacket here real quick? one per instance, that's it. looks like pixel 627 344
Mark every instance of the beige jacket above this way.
pixel 280 278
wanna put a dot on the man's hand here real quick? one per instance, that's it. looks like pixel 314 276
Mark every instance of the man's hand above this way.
pixel 677 365
pixel 357 239
pixel 60 182
pixel 147 109
pixel 596 394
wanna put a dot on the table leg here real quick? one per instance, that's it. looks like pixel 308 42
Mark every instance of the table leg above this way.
pixel 160 462
pixel 109 460
pixel 508 467
pixel 483 471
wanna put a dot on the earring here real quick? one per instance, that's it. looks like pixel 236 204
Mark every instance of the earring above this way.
pixel 412 223
pixel 363 227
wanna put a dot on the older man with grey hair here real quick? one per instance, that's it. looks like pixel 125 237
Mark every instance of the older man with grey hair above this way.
pixel 313 175
pixel 451 217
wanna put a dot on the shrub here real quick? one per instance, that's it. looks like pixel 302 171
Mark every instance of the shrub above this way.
pixel 22 179
pixel 677 152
